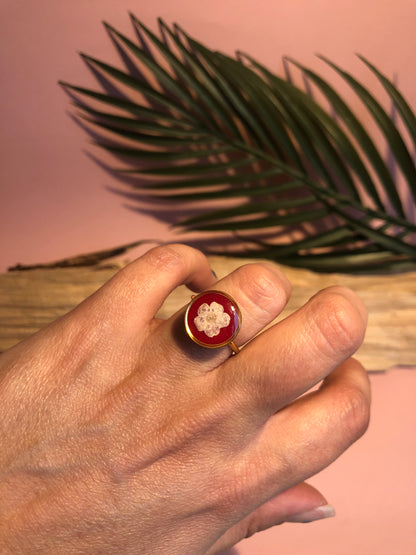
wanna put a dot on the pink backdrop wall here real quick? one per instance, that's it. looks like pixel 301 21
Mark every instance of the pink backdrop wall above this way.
pixel 56 202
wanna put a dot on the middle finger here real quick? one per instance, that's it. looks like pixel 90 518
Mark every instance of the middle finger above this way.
pixel 261 291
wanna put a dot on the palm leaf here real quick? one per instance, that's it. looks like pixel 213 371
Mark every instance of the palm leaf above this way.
pixel 197 127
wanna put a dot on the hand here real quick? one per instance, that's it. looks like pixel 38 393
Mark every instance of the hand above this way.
pixel 119 434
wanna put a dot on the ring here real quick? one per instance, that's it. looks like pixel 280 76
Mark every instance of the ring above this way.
pixel 213 319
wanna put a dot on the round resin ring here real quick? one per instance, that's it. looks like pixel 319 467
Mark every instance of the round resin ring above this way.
pixel 213 320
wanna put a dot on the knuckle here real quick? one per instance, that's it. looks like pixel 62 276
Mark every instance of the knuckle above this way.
pixel 263 285
pixel 235 487
pixel 167 257
pixel 353 408
pixel 172 260
pixel 339 322
pixel 141 275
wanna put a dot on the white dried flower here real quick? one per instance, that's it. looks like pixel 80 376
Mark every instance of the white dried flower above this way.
pixel 211 318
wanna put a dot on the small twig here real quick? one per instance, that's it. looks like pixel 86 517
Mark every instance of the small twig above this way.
pixel 88 259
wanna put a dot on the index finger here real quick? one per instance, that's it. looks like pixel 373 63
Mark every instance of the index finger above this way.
pixel 133 296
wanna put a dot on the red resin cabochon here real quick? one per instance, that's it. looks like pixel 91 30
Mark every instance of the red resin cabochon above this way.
pixel 227 333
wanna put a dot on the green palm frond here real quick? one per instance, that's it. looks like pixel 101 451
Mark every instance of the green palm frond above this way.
pixel 257 157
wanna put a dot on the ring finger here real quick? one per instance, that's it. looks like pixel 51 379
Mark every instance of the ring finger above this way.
pixel 296 353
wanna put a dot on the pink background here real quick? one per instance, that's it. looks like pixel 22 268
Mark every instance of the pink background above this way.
pixel 56 201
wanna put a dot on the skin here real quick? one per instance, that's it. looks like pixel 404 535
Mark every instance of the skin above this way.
pixel 119 434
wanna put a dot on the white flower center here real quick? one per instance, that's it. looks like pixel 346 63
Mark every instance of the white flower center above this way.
pixel 211 319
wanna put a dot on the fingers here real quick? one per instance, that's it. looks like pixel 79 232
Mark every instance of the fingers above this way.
pixel 288 359
pixel 301 503
pixel 307 435
pixel 295 443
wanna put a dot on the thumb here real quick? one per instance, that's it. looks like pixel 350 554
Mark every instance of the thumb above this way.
pixel 301 503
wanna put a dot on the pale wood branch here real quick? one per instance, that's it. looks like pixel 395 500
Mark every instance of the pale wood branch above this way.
pixel 31 299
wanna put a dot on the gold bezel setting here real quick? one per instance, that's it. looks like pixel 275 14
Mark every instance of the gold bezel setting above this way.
pixel 225 334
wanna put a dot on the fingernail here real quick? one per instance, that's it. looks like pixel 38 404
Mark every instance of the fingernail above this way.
pixel 325 511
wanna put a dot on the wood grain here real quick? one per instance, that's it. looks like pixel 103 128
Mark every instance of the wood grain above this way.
pixel 31 299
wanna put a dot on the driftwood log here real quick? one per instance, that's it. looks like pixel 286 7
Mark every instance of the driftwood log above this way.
pixel 31 299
